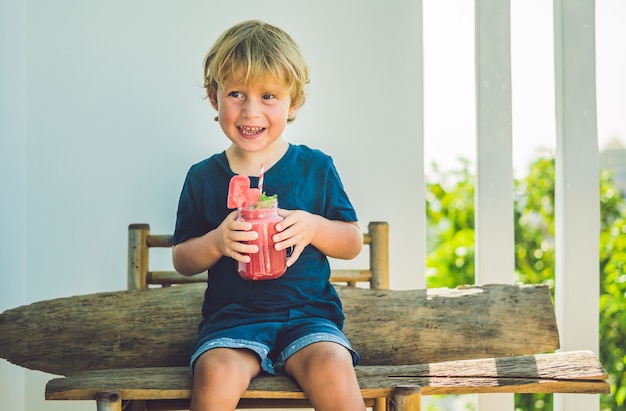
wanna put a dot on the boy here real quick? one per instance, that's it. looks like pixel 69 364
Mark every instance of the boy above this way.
pixel 255 77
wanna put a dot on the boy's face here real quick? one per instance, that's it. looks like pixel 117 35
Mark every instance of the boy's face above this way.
pixel 253 114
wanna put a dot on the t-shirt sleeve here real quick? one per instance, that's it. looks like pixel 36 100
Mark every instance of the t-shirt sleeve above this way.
pixel 190 222
pixel 338 205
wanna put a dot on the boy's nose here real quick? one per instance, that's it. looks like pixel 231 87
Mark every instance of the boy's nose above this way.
pixel 251 109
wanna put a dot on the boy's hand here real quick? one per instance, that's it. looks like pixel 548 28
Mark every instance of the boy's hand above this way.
pixel 297 230
pixel 230 236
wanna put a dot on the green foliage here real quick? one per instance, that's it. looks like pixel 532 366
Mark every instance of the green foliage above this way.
pixel 534 224
pixel 613 291
pixel 450 260
pixel 450 216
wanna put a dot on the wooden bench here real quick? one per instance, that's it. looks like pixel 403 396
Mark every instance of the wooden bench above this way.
pixel 130 349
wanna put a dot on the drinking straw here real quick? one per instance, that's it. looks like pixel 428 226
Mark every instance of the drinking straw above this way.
pixel 260 186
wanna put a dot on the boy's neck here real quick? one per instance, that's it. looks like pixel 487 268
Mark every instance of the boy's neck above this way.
pixel 249 163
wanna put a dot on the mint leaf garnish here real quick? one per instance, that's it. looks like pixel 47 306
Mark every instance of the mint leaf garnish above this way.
pixel 266 201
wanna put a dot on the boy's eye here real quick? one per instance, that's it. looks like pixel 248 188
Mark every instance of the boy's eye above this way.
pixel 268 96
pixel 235 94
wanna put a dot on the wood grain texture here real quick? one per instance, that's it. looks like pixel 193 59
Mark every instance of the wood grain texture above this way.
pixel 157 327
pixel 577 371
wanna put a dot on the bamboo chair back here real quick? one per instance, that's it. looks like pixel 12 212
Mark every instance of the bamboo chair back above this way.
pixel 140 275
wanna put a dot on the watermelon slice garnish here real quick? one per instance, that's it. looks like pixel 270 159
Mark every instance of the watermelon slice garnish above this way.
pixel 238 191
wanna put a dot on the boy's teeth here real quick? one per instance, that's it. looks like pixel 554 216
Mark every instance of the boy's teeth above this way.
pixel 251 130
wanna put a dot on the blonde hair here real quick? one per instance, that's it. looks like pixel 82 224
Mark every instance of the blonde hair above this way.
pixel 256 49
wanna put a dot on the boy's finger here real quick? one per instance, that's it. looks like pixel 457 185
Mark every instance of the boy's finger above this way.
pixel 294 256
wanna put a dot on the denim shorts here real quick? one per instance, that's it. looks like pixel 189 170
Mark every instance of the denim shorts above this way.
pixel 274 341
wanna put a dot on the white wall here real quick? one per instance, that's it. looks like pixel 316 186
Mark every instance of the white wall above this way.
pixel 102 113
pixel 12 181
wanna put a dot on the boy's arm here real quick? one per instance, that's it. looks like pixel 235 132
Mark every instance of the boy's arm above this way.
pixel 337 239
pixel 196 254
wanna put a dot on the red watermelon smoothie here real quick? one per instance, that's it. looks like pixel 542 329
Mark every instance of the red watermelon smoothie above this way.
pixel 268 263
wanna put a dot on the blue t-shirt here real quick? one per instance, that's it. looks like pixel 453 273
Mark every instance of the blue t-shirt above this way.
pixel 304 179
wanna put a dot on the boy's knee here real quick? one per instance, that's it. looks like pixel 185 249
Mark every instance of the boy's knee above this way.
pixel 323 356
pixel 331 352
pixel 221 365
pixel 221 376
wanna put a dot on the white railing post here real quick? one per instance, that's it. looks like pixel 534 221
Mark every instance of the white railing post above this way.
pixel 495 239
pixel 577 212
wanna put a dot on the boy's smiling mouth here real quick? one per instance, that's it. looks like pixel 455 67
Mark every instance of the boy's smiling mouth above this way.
pixel 251 131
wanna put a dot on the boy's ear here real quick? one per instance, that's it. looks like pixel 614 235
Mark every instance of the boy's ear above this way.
pixel 212 94
pixel 295 106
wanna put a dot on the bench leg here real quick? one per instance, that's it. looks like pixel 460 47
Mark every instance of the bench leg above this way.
pixel 407 398
pixel 109 401
pixel 380 404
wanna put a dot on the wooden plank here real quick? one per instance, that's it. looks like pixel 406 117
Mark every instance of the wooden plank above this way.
pixel 157 327
pixel 173 277
pixel 582 365
pixel 175 383
pixel 559 372
pixel 159 240
pixel 166 240
pixel 430 386
pixel 169 405
pixel 346 275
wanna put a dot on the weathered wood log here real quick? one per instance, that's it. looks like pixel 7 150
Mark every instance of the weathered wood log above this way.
pixel 157 327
